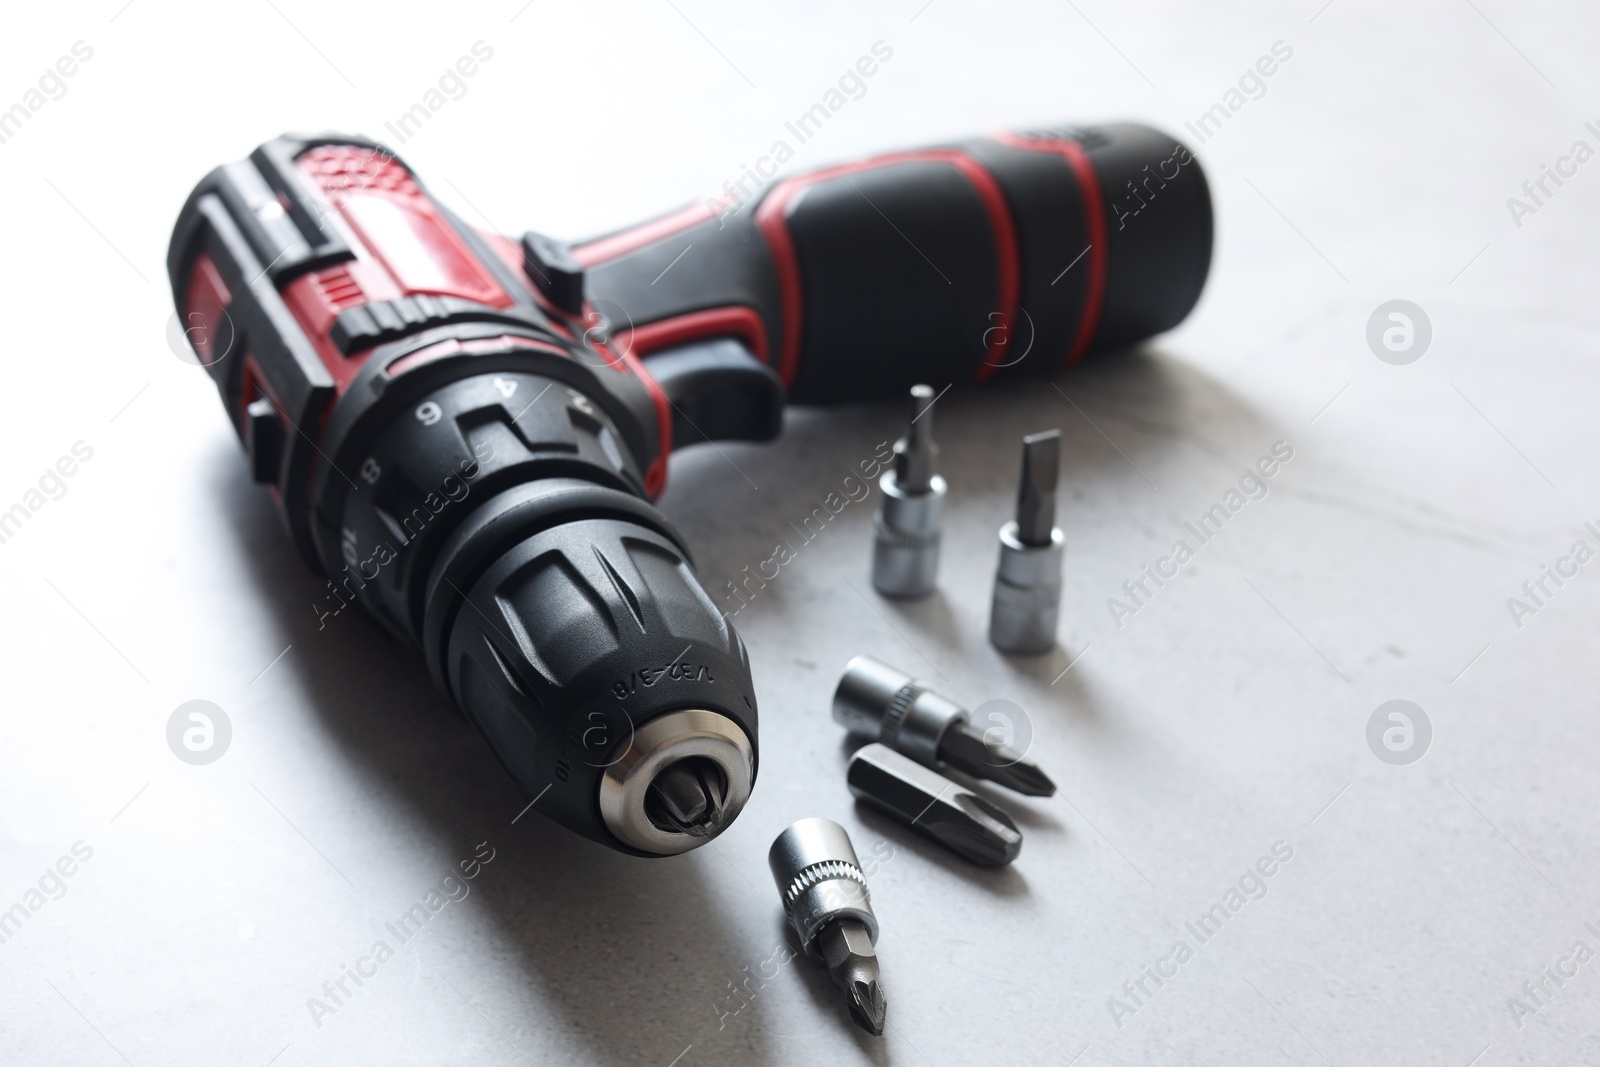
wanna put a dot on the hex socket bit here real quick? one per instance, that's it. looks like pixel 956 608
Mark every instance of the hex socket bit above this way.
pixel 877 701
pixel 974 828
pixel 1027 584
pixel 825 897
pixel 905 538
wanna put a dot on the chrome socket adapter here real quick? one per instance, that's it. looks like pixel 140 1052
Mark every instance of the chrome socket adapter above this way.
pixel 905 544
pixel 1027 586
pixel 825 897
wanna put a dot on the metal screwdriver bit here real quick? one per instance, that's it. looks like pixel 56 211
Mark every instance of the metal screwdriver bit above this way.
pixel 916 452
pixel 825 897
pixel 974 828
pixel 966 748
pixel 905 544
pixel 1027 586
pixel 889 706
pixel 852 963
pixel 1036 495
pixel 689 797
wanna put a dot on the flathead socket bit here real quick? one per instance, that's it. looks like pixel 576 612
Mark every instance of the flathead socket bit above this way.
pixel 877 701
pixel 825 897
pixel 905 546
pixel 972 827
pixel 1027 585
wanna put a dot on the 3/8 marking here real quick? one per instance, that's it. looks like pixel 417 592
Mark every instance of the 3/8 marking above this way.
pixel 649 676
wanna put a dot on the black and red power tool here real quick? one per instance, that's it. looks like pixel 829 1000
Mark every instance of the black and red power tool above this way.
pixel 464 431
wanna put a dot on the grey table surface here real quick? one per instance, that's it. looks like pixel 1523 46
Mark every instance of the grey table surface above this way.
pixel 1437 912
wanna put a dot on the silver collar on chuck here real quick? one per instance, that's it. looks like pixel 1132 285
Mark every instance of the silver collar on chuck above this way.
pixel 683 779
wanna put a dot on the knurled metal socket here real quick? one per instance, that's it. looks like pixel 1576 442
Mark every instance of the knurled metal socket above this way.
pixel 877 701
pixel 820 880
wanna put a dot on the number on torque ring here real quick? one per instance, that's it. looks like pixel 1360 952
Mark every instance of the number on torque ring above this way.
pixel 429 413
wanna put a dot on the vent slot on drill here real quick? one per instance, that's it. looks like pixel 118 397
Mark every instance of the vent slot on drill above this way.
pixel 676 594
pixel 620 584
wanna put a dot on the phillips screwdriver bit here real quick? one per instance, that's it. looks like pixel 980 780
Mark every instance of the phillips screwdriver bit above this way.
pixel 1027 584
pixel 972 827
pixel 825 897
pixel 688 797
pixel 877 701
pixel 905 544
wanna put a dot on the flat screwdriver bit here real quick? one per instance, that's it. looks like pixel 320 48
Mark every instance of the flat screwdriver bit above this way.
pixel 877 701
pixel 1027 585
pixel 825 897
pixel 1036 495
pixel 972 827
pixel 905 540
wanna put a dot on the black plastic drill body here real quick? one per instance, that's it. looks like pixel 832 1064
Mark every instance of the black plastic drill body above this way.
pixel 464 433
pixel 477 485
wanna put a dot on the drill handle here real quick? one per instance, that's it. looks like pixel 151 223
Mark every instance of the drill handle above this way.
pixel 944 265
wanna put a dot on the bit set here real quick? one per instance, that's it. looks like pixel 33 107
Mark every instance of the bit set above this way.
pixel 915 736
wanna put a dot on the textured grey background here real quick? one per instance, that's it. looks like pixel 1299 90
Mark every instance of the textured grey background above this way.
pixel 1228 714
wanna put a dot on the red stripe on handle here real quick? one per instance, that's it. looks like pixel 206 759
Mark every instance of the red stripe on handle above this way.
pixel 604 249
pixel 734 320
pixel 772 219
pixel 1094 218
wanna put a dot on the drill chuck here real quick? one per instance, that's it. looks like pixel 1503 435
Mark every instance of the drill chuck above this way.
pixel 567 622
pixel 685 777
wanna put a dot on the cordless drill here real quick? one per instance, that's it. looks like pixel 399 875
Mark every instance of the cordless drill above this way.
pixel 464 432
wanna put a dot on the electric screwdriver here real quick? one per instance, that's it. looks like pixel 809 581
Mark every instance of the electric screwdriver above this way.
pixel 464 432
